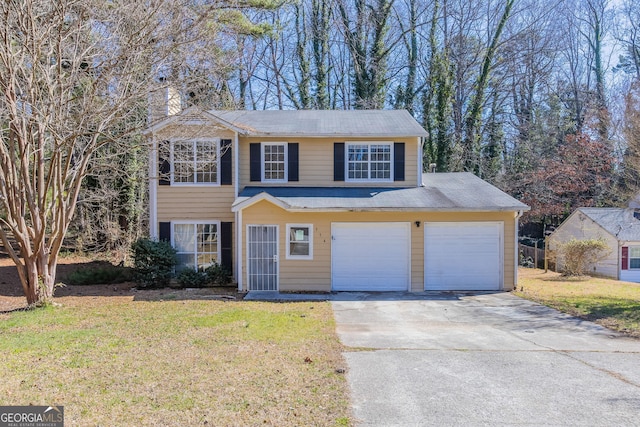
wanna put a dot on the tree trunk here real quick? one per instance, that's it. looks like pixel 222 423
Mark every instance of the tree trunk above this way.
pixel 472 139
pixel 37 275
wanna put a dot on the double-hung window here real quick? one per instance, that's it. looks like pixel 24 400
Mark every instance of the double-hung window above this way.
pixel 274 162
pixel 196 244
pixel 299 241
pixel 369 161
pixel 634 257
pixel 195 162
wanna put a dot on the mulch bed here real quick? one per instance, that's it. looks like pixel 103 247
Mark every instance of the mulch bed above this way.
pixel 12 296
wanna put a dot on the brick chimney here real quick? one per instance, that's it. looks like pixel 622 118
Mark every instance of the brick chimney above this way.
pixel 164 101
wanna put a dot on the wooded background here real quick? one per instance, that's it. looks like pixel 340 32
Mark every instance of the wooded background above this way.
pixel 541 98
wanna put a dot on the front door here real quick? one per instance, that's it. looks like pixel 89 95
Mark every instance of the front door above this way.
pixel 262 257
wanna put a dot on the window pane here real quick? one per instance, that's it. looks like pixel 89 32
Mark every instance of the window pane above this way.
pixel 195 161
pixel 274 162
pixel 183 237
pixel 369 161
pixel 196 244
pixel 634 252
pixel 381 161
pixel 299 234
pixel 634 263
pixel 185 261
pixel 297 248
pixel 206 161
pixel 183 167
pixel 299 243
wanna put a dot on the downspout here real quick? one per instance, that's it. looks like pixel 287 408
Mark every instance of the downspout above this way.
pixel 236 151
pixel 619 259
pixel 515 263
pixel 239 249
pixel 238 214
pixel 420 165
pixel 153 189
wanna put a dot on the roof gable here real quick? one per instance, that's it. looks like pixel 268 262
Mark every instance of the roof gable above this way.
pixel 192 116
pixel 618 222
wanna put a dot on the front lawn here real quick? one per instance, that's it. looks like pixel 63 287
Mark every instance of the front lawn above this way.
pixel 115 360
pixel 611 303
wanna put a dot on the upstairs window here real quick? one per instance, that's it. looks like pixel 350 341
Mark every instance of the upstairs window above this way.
pixel 369 162
pixel 194 162
pixel 274 162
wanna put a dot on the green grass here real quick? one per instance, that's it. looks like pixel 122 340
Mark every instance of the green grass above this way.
pixel 611 303
pixel 114 361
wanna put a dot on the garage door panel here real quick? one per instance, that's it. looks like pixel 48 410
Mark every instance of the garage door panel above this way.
pixel 463 256
pixel 370 256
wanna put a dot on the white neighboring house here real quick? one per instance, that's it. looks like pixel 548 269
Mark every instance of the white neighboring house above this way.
pixel 620 229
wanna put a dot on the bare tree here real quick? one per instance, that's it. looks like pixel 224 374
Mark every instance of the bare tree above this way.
pixel 74 77
pixel 474 114
pixel 365 28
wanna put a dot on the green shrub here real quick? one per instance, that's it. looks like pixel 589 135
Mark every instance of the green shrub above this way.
pixel 192 278
pixel 153 262
pixel 218 275
pixel 99 273
pixel 580 255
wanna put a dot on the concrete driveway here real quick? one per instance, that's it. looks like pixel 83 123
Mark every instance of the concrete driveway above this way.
pixel 483 359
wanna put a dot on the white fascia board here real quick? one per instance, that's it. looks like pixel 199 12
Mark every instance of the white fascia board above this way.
pixel 206 116
pixel 258 198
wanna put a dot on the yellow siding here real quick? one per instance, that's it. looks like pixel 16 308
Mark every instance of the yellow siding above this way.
pixel 315 275
pixel 195 202
pixel 316 162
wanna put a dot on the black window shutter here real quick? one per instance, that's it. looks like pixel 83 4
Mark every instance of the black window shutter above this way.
pixel 165 231
pixel 398 161
pixel 338 161
pixel 255 165
pixel 164 167
pixel 293 172
pixel 225 162
pixel 226 245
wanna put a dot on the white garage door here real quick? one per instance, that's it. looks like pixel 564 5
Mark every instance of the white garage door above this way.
pixel 461 256
pixel 370 256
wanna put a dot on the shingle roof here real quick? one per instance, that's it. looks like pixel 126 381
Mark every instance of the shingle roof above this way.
pixel 619 222
pixel 447 192
pixel 319 123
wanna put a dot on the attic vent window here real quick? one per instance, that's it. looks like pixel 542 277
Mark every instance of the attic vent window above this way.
pixel 636 214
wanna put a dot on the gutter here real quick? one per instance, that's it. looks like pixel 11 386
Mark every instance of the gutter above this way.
pixel 515 264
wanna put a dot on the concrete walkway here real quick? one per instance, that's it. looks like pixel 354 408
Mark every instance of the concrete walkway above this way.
pixel 484 359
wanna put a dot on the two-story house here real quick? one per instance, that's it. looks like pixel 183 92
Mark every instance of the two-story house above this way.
pixel 325 201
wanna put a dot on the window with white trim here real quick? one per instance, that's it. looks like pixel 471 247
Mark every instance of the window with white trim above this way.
pixel 274 162
pixel 634 257
pixel 369 162
pixel 195 162
pixel 196 244
pixel 299 241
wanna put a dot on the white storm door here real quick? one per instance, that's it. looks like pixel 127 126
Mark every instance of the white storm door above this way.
pixel 262 257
